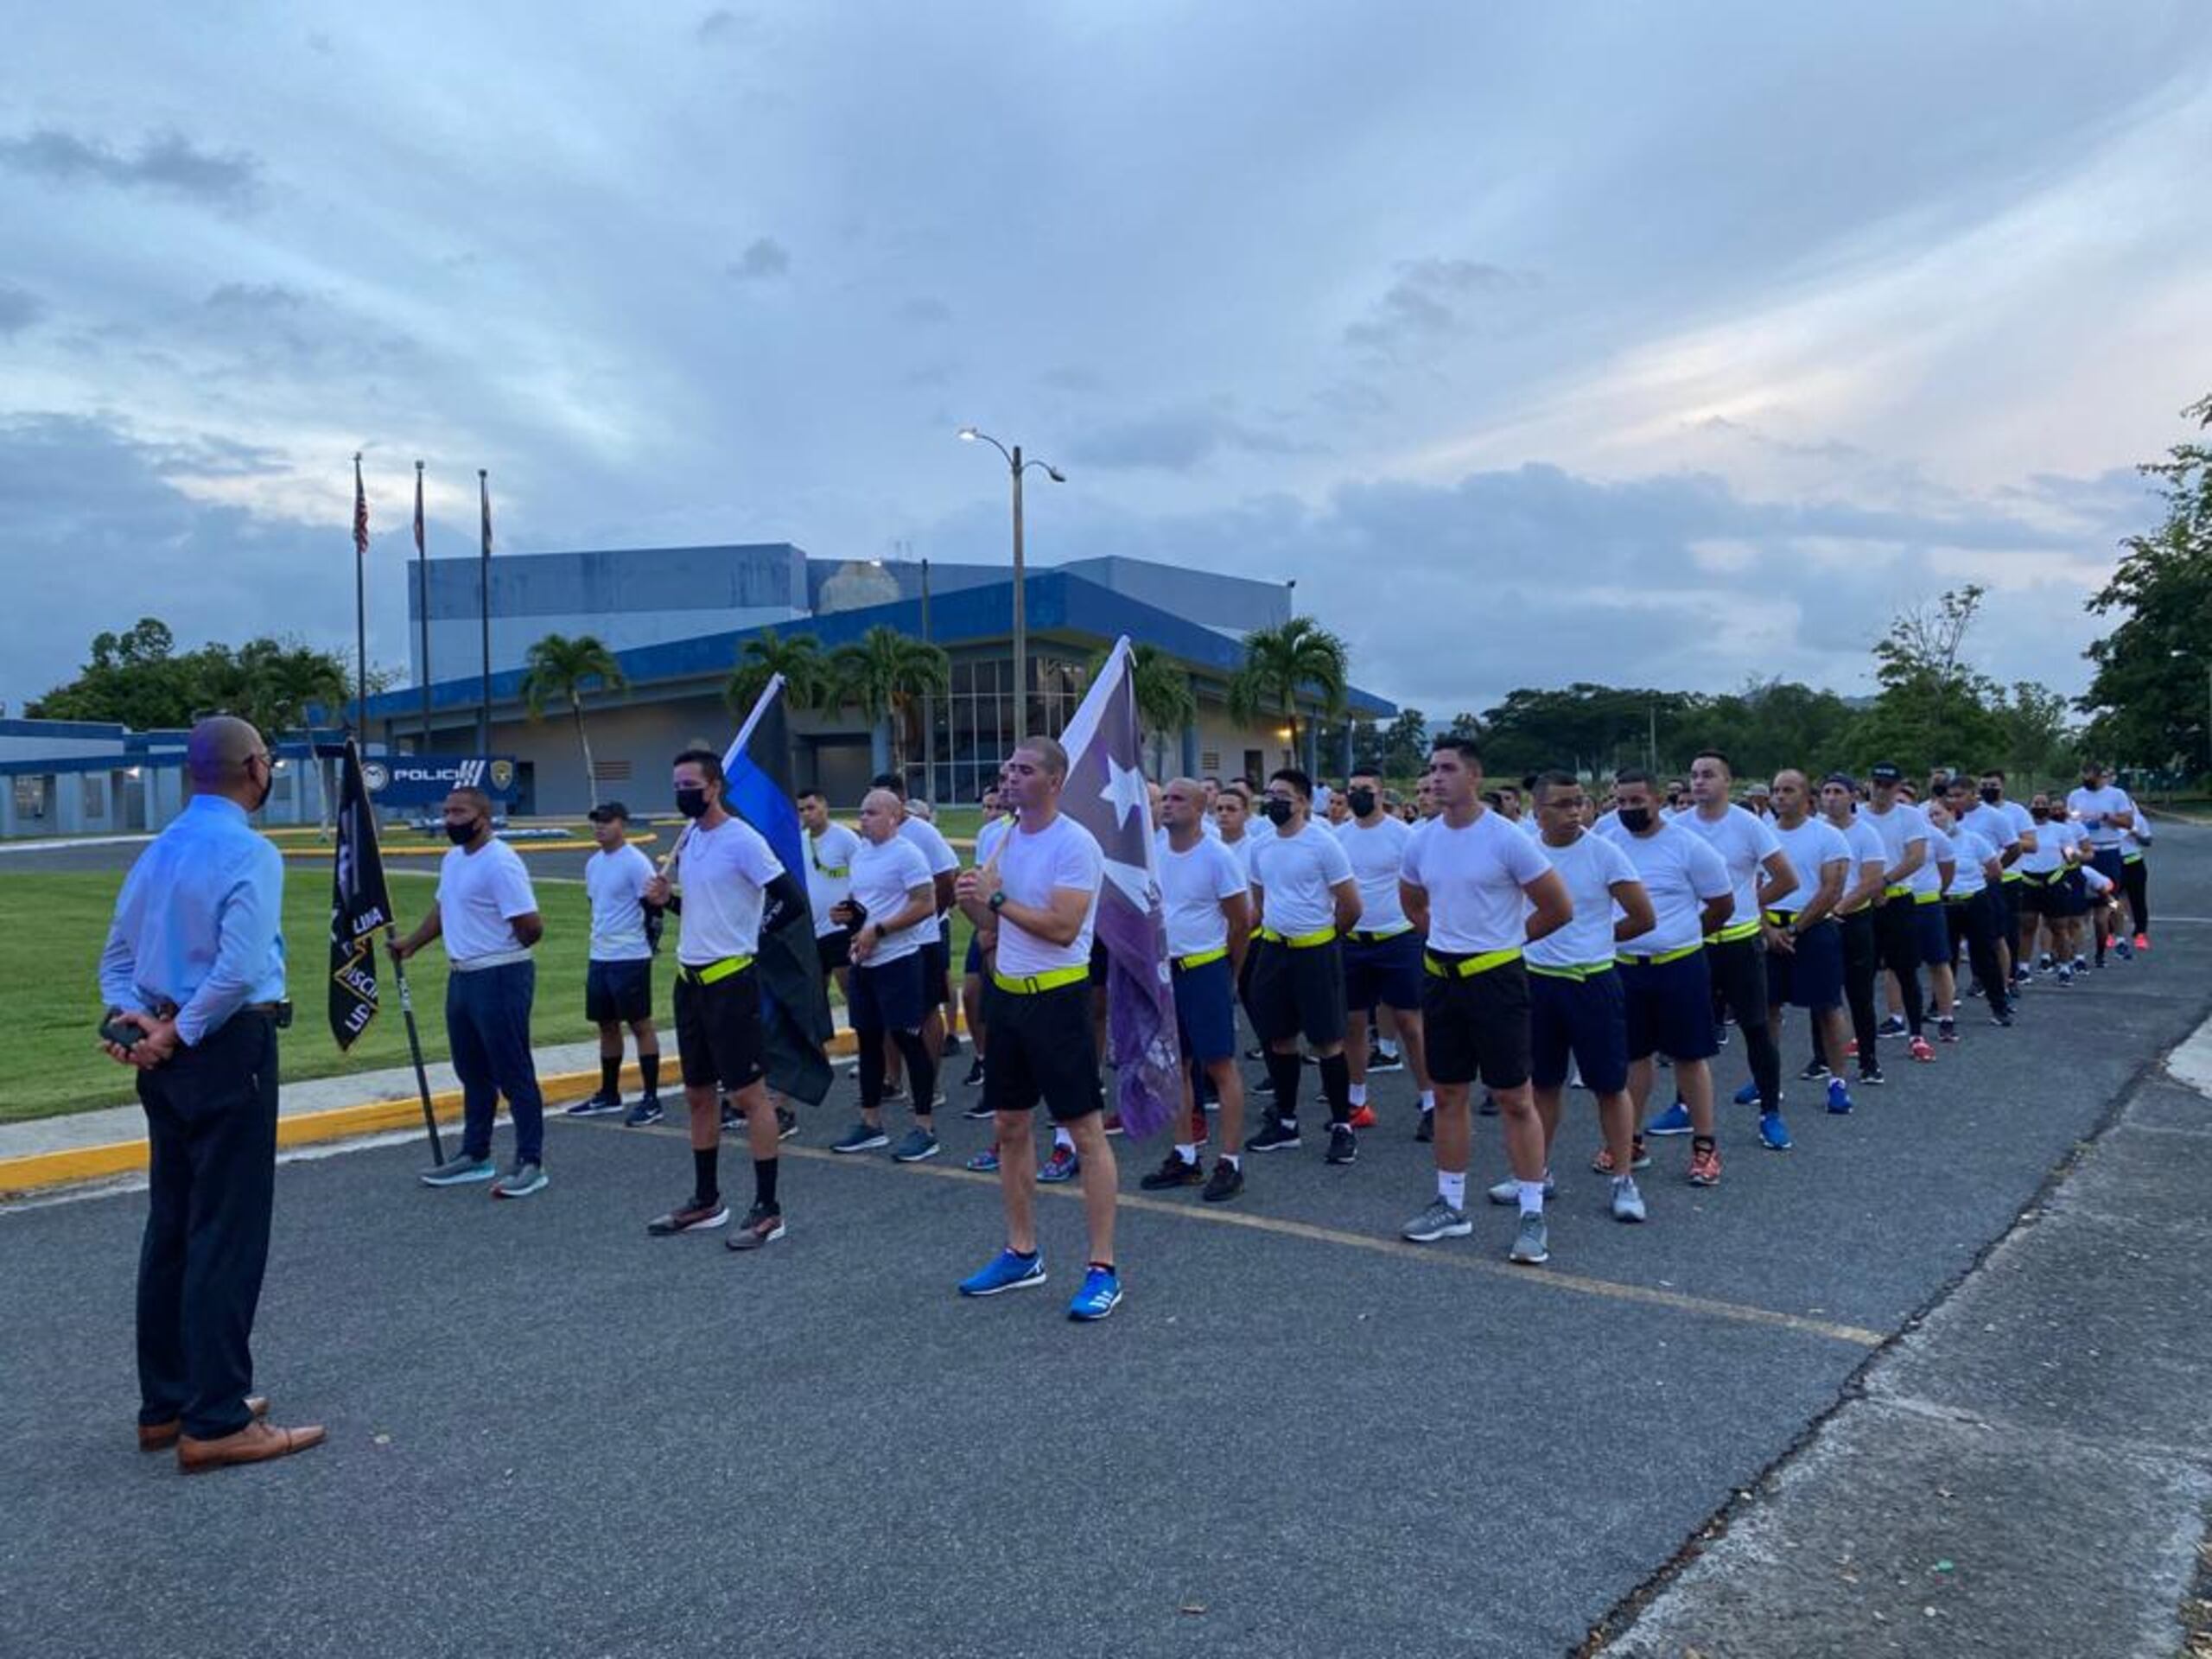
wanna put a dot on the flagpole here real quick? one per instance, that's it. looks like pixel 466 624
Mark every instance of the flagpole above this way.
pixel 361 604
pixel 484 608
pixel 422 572
pixel 768 694
pixel 414 1042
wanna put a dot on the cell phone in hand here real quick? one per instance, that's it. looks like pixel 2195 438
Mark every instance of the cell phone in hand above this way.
pixel 123 1031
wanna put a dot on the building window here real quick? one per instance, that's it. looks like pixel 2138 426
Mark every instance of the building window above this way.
pixel 94 796
pixel 1210 760
pixel 30 796
pixel 611 772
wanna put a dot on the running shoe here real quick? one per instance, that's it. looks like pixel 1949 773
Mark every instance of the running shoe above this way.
pixel 1488 1107
pixel 1508 1190
pixel 916 1146
pixel 1343 1145
pixel 1774 1134
pixel 460 1170
pixel 1383 1059
pixel 1851 1049
pixel 979 1113
pixel 1274 1136
pixel 951 1044
pixel 1705 1166
pixel 520 1182
pixel 1100 1295
pixel 1628 1203
pixel 1363 1116
pixel 2142 941
pixel 1225 1182
pixel 1675 1120
pixel 763 1225
pixel 1748 1095
pixel 2002 1017
pixel 1439 1221
pixel 894 1091
pixel 1062 1167
pixel 1872 1077
pixel 787 1121
pixel 1424 1131
pixel 1639 1157
pixel 1113 1123
pixel 861 1137
pixel 1922 1051
pixel 1007 1270
pixel 1839 1097
pixel 985 1162
pixel 1815 1071
pixel 647 1111
pixel 732 1118
pixel 1174 1173
pixel 1893 1027
pixel 1531 1242
pixel 694 1215
pixel 974 1078
pixel 1947 1031
pixel 600 1105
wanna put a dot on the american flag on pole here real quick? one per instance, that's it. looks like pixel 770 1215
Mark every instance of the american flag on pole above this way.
pixel 361 513
pixel 484 489
pixel 1105 793
pixel 418 506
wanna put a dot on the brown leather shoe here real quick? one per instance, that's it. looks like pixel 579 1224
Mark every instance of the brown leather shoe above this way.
pixel 159 1437
pixel 258 1442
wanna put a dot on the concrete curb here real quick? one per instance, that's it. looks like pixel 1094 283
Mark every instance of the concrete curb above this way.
pixel 39 1171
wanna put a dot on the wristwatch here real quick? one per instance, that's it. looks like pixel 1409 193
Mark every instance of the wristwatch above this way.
pixel 996 900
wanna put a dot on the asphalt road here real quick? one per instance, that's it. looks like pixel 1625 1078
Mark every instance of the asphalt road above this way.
pixel 552 1434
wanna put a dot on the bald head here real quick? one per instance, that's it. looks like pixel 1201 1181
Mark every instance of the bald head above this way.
pixel 1793 797
pixel 881 811
pixel 219 749
pixel 1182 806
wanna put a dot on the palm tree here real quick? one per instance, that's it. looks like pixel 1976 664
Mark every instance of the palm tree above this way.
pixel 1164 701
pixel 810 681
pixel 285 683
pixel 885 674
pixel 1300 658
pixel 556 669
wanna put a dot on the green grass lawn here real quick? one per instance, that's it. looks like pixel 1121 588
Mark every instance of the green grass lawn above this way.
pixel 53 927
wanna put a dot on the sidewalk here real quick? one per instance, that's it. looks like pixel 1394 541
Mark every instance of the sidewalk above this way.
pixel 2056 1394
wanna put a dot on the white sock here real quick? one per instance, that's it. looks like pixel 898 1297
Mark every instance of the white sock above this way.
pixel 1233 1160
pixel 1532 1196
pixel 1429 1100
pixel 1188 1151
pixel 1453 1189
pixel 1358 1096
pixel 1062 1138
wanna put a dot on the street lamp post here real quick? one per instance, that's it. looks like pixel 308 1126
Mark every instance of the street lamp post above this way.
pixel 1017 466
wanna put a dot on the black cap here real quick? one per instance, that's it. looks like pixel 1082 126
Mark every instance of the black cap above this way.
pixel 608 811
pixel 1886 772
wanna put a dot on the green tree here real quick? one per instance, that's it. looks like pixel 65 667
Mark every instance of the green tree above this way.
pixel 2147 700
pixel 886 674
pixel 1401 747
pixel 558 669
pixel 1933 710
pixel 809 680
pixel 1166 702
pixel 1300 658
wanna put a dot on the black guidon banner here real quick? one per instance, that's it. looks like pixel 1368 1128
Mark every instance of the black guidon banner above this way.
pixel 358 905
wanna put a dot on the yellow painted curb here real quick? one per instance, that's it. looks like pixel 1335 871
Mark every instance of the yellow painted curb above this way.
pixel 38 1170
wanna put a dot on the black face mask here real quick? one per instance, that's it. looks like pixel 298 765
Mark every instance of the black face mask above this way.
pixel 1635 819
pixel 2040 814
pixel 1362 800
pixel 691 803
pixel 1991 793
pixel 461 833
pixel 1278 810
pixel 2092 782
pixel 268 785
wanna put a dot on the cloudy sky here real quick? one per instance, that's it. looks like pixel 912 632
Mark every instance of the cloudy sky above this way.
pixel 1671 344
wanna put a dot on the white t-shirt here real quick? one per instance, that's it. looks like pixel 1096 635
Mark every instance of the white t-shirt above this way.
pixel 830 874
pixel 1241 850
pixel 1032 865
pixel 1377 853
pixel 936 849
pixel 1811 846
pixel 723 871
pixel 2054 837
pixel 1929 878
pixel 1680 871
pixel 1294 874
pixel 2023 825
pixel 1899 827
pixel 1474 876
pixel 882 877
pixel 1974 852
pixel 1745 840
pixel 479 896
pixel 987 839
pixel 1192 886
pixel 2095 808
pixel 615 883
pixel 1865 845
pixel 1992 824
pixel 1591 866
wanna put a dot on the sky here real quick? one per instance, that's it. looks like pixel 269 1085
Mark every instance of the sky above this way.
pixel 1676 345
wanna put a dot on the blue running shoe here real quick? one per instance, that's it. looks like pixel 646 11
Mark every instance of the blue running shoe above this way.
pixel 1100 1295
pixel 1007 1270
pixel 1839 1097
pixel 1062 1166
pixel 1774 1134
pixel 986 1161
pixel 1675 1120
pixel 1748 1095
pixel 645 1111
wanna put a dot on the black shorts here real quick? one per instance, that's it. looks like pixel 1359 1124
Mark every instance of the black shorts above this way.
pixel 718 1029
pixel 1738 971
pixel 835 949
pixel 619 991
pixel 1298 992
pixel 1041 1049
pixel 1098 960
pixel 1476 1025
pixel 889 995
pixel 936 964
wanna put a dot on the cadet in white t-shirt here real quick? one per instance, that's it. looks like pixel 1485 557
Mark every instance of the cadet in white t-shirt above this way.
pixel 2056 895
pixel 1854 913
pixel 727 870
pixel 1209 926
pixel 486 913
pixel 1804 940
pixel 892 909
pixel 1382 954
pixel 1482 892
pixel 1969 903
pixel 1898 933
pixel 1307 900
pixel 619 977
pixel 830 849
pixel 1037 902
pixel 937 958
pixel 974 999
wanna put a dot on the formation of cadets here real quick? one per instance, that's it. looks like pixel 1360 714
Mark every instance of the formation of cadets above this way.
pixel 1502 943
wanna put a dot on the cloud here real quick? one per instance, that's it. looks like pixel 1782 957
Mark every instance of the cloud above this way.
pixel 19 309
pixel 166 162
pixel 764 258
pixel 1178 440
pixel 1431 300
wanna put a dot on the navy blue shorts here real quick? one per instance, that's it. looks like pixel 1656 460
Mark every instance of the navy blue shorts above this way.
pixel 888 996
pixel 1809 975
pixel 619 991
pixel 1669 1007
pixel 1587 1019
pixel 936 964
pixel 1931 931
pixel 2109 860
pixel 1205 1011
pixel 1383 973
pixel 974 963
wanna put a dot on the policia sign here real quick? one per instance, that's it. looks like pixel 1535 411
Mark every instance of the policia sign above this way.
pixel 408 780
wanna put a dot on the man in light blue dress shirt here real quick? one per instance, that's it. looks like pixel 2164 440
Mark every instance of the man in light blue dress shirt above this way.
pixel 194 966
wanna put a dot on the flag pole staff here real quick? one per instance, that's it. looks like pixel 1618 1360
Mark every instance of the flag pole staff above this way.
pixel 668 859
pixel 414 1043
pixel 361 605
pixel 423 574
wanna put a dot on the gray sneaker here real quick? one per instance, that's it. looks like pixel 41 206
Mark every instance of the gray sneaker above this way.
pixel 460 1170
pixel 1628 1203
pixel 520 1182
pixel 917 1145
pixel 1508 1190
pixel 1530 1245
pixel 1439 1221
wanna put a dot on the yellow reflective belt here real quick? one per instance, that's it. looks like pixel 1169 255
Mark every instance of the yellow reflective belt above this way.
pixel 2016 875
pixel 1032 983
pixel 1199 958
pixel 1378 938
pixel 714 972
pixel 1927 898
pixel 1898 892
pixel 1733 931
pixel 1480 963
pixel 1662 958
pixel 1578 972
pixel 1301 942
pixel 1781 918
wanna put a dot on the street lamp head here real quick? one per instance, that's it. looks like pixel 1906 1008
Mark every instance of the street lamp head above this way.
pixel 1055 475
pixel 968 434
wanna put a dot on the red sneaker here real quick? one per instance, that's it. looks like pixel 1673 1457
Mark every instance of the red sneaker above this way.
pixel 1363 1118
pixel 2142 941
pixel 1705 1166
pixel 1921 1050
pixel 1851 1048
